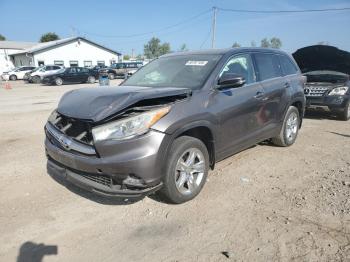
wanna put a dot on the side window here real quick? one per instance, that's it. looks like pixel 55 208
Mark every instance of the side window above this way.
pixel 240 65
pixel 288 67
pixel 72 70
pixel 267 66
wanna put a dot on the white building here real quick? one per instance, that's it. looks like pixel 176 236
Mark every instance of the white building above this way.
pixel 69 52
pixel 8 48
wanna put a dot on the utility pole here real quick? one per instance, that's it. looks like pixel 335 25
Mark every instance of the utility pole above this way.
pixel 213 29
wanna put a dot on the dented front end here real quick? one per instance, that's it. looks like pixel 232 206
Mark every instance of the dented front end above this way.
pixel 109 167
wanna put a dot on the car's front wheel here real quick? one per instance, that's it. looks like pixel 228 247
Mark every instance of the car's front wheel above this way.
pixel 58 81
pixel 36 79
pixel 91 79
pixel 290 128
pixel 13 77
pixel 111 76
pixel 186 170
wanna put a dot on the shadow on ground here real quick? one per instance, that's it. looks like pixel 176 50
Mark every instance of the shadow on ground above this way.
pixel 32 252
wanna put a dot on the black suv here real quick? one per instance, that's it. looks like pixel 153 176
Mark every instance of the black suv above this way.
pixel 169 123
pixel 70 75
pixel 327 69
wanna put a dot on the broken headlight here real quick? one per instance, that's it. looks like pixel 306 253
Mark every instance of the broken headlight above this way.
pixel 130 126
pixel 339 91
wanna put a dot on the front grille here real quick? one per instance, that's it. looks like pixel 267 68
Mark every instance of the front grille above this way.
pixel 315 91
pixel 77 129
pixel 101 179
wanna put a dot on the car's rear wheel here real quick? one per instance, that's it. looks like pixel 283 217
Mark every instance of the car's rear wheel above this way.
pixel 186 170
pixel 91 79
pixel 290 128
pixel 36 79
pixel 345 114
pixel 58 81
pixel 13 77
pixel 111 76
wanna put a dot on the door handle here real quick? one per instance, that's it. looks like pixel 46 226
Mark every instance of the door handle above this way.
pixel 286 85
pixel 259 94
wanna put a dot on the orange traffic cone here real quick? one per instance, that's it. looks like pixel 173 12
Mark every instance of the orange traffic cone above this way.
pixel 7 85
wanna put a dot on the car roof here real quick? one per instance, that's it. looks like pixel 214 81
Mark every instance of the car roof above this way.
pixel 226 51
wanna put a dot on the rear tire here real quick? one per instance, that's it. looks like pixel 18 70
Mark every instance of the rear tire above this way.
pixel 58 81
pixel 186 170
pixel 290 128
pixel 13 77
pixel 345 114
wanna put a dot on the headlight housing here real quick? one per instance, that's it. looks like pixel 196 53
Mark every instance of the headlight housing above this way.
pixel 339 91
pixel 130 126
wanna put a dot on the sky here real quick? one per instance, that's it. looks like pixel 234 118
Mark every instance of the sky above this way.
pixel 127 25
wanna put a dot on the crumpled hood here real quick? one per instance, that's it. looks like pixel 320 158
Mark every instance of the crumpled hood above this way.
pixel 99 103
pixel 322 57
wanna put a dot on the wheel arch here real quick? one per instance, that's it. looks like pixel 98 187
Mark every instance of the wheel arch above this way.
pixel 201 130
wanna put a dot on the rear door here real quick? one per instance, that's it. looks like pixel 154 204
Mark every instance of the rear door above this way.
pixel 276 88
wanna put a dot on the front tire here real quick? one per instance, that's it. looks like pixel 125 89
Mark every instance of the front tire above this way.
pixel 111 76
pixel 36 79
pixel 13 77
pixel 186 170
pixel 91 79
pixel 290 128
pixel 345 114
pixel 58 81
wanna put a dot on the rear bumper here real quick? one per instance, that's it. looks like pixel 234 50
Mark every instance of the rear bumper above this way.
pixel 65 175
pixel 332 102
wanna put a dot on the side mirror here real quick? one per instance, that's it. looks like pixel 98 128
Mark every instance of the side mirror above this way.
pixel 230 81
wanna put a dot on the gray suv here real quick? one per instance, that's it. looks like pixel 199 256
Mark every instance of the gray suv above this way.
pixel 169 123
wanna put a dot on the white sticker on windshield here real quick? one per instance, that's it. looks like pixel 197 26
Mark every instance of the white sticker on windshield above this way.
pixel 196 63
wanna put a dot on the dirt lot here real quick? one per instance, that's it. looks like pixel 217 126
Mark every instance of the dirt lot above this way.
pixel 264 204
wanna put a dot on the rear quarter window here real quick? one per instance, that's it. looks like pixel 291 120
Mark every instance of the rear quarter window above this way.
pixel 267 66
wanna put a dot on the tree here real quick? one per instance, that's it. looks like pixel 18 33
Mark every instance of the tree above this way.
pixel 126 57
pixel 235 44
pixel 323 43
pixel 154 49
pixel 253 43
pixel 265 43
pixel 49 37
pixel 183 48
pixel 275 43
pixel 2 38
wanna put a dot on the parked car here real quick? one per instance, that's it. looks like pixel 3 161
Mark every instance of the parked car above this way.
pixel 17 73
pixel 123 69
pixel 35 75
pixel 70 75
pixel 166 125
pixel 327 70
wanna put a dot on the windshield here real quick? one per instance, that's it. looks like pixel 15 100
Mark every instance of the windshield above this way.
pixel 188 71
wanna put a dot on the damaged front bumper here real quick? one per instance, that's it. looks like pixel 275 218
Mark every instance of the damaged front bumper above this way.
pixel 88 182
pixel 130 168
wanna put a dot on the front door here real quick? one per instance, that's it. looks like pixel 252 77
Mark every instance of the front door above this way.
pixel 239 108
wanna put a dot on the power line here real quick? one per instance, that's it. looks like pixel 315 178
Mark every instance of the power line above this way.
pixel 283 11
pixel 151 32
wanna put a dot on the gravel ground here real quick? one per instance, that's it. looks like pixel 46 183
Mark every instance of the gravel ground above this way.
pixel 264 204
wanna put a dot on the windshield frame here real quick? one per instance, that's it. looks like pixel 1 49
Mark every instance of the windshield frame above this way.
pixel 204 80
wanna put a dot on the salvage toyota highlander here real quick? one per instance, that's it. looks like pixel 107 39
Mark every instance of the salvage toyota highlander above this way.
pixel 169 123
